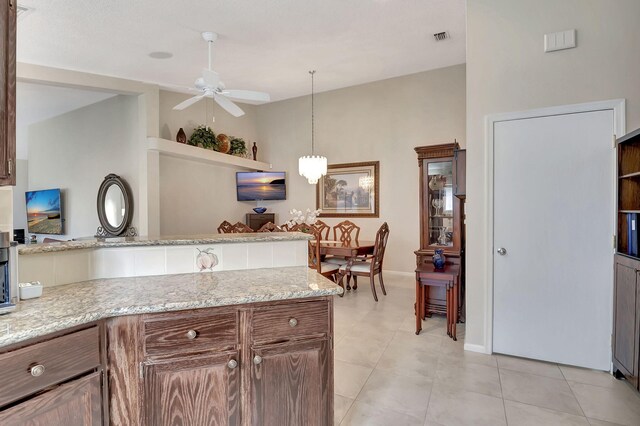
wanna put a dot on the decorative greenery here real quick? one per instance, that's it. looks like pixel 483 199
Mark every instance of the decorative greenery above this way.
pixel 238 146
pixel 204 137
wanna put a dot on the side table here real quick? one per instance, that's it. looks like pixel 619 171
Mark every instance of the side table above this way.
pixel 449 278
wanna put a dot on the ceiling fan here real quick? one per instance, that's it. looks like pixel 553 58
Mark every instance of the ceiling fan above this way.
pixel 210 86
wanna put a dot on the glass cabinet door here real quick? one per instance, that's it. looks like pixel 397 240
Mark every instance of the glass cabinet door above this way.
pixel 440 202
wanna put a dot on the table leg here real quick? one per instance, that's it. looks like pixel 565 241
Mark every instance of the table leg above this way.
pixel 455 309
pixel 418 310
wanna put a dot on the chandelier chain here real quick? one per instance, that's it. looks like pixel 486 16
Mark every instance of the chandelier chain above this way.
pixel 312 116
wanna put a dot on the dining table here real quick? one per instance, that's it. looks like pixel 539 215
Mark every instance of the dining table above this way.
pixel 348 249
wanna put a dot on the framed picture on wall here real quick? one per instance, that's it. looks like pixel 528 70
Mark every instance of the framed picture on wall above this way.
pixel 350 190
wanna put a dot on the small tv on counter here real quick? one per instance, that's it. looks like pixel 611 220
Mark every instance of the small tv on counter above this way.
pixel 252 186
pixel 44 212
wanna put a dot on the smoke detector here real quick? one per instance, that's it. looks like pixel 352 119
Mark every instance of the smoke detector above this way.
pixel 441 36
pixel 23 11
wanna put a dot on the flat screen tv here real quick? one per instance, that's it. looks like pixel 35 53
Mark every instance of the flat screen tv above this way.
pixel 251 186
pixel 44 212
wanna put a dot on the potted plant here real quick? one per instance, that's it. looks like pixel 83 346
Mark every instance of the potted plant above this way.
pixel 238 147
pixel 203 137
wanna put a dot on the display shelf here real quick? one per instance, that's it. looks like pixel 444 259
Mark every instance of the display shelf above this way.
pixel 201 155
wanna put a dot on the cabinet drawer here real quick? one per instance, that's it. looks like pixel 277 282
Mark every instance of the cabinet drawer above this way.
pixel 290 321
pixel 190 332
pixel 62 358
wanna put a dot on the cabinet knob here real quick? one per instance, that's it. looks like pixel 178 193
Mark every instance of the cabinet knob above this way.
pixel 502 251
pixel 232 364
pixel 37 370
pixel 257 359
pixel 192 334
pixel 293 322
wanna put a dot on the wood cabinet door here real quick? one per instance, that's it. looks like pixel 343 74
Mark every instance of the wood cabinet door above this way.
pixel 625 351
pixel 77 403
pixel 292 384
pixel 193 391
pixel 7 92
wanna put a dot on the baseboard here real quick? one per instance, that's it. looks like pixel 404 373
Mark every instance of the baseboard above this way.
pixel 475 348
pixel 400 273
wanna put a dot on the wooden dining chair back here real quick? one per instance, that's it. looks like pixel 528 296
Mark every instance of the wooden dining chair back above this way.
pixel 302 227
pixel 323 229
pixel 285 227
pixel 225 228
pixel 370 265
pixel 270 227
pixel 313 253
pixel 346 231
pixel 241 228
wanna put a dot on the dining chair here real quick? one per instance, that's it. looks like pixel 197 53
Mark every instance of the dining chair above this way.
pixel 241 228
pixel 285 227
pixel 314 260
pixel 270 227
pixel 225 228
pixel 323 229
pixel 370 265
pixel 346 231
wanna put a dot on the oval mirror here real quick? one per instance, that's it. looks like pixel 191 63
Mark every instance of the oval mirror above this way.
pixel 115 206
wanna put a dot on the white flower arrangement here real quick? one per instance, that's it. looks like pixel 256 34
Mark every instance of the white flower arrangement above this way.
pixel 298 217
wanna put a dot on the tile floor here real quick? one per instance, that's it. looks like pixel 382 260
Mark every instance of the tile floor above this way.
pixel 386 375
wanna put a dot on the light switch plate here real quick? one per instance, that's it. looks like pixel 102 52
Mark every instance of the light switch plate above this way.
pixel 560 40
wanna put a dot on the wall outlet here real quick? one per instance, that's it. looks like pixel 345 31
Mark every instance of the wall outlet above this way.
pixel 560 40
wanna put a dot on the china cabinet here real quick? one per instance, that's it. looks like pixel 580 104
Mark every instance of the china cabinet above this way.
pixel 441 225
pixel 7 92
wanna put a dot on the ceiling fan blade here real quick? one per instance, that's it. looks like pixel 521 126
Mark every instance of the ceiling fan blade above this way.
pixel 211 78
pixel 229 106
pixel 188 102
pixel 247 95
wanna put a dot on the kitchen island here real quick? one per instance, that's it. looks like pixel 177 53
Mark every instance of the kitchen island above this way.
pixel 232 347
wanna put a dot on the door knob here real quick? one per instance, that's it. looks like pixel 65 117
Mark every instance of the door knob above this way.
pixel 502 251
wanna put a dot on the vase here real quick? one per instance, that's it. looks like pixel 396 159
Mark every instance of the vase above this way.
pixel 439 260
pixel 181 137
pixel 224 144
pixel 442 238
pixel 254 149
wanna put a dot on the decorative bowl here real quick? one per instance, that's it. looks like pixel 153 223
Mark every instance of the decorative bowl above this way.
pixel 260 210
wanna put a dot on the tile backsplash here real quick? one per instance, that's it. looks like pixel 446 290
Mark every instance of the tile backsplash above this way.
pixel 80 265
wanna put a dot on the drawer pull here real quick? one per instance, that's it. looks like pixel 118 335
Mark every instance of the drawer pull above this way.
pixel 257 359
pixel 37 370
pixel 192 334
pixel 232 364
pixel 293 322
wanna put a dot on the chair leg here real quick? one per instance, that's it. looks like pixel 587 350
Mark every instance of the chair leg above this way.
pixel 340 282
pixel 348 282
pixel 373 288
pixel 382 283
pixel 355 282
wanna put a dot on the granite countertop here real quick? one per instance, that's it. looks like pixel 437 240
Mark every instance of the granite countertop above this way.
pixel 177 240
pixel 70 305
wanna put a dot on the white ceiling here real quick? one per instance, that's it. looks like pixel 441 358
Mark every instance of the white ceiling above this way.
pixel 264 45
pixel 38 102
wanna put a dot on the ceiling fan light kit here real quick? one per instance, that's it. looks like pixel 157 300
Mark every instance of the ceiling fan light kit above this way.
pixel 210 86
pixel 312 167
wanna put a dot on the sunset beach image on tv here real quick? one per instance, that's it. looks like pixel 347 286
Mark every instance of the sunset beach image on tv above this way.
pixel 44 215
pixel 253 186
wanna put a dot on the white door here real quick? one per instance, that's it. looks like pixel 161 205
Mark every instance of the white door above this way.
pixel 554 218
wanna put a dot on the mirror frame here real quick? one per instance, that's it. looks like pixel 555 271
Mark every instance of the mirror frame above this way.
pixel 113 179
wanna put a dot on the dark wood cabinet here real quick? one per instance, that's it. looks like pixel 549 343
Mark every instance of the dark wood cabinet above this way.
pixel 460 173
pixel 76 403
pixel 290 384
pixel 626 295
pixel 263 364
pixel 255 220
pixel 196 390
pixel 7 92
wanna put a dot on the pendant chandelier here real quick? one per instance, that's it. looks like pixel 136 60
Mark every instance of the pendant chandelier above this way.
pixel 312 167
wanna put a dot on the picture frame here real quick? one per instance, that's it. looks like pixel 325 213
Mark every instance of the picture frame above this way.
pixel 349 190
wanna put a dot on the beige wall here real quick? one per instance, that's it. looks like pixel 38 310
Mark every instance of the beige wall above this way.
pixel 381 121
pixel 507 70
pixel 76 150
pixel 194 197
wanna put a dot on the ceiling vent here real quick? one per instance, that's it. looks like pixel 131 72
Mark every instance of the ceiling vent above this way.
pixel 441 36
pixel 23 11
